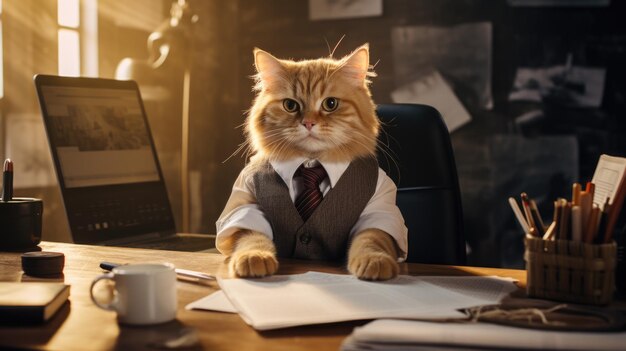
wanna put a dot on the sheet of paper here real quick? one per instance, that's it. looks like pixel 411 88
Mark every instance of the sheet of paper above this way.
pixel 434 91
pixel 607 178
pixel 313 298
pixel 402 335
pixel 217 301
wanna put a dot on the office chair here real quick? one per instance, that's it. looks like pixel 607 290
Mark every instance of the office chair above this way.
pixel 415 151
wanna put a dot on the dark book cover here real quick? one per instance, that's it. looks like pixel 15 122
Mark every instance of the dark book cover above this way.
pixel 33 302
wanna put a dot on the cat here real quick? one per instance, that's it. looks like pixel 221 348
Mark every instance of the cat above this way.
pixel 319 112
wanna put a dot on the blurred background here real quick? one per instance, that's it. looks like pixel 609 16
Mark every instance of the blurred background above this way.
pixel 532 91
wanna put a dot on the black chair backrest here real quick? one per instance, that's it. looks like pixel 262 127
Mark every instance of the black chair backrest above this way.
pixel 415 151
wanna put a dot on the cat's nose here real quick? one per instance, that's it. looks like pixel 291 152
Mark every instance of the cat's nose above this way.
pixel 308 124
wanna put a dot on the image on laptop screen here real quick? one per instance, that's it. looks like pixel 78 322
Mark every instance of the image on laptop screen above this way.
pixel 100 136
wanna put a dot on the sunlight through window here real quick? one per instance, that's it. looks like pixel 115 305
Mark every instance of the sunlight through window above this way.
pixel 69 53
pixel 68 13
pixel 1 56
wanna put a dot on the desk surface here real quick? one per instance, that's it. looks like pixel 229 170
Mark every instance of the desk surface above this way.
pixel 84 326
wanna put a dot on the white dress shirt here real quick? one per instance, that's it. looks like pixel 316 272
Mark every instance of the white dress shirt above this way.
pixel 380 212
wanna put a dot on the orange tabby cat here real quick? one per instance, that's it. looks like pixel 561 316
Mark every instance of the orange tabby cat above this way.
pixel 306 114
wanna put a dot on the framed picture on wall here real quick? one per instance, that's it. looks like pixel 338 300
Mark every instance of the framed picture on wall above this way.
pixel 337 9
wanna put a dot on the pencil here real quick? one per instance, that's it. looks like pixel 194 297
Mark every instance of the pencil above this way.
pixel 537 215
pixel 549 235
pixel 592 224
pixel 576 225
pixel 591 189
pixel 529 217
pixel 566 209
pixel 586 202
pixel 558 213
pixel 518 214
pixel 576 188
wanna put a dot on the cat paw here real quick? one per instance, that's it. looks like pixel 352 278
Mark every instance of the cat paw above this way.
pixel 253 263
pixel 373 266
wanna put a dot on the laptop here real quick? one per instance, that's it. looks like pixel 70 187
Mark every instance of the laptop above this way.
pixel 106 163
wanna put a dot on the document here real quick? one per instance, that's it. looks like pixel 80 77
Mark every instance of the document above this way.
pixel 415 335
pixel 313 298
pixel 608 178
pixel 217 301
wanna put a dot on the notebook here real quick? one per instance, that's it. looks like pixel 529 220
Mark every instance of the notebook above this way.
pixel 31 302
pixel 106 163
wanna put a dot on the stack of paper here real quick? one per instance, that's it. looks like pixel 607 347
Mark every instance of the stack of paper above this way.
pixel 391 335
pixel 311 298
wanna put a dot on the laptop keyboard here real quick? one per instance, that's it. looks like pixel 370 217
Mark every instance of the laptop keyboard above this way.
pixel 177 243
pixel 104 215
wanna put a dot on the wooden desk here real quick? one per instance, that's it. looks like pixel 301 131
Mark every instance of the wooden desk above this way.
pixel 83 326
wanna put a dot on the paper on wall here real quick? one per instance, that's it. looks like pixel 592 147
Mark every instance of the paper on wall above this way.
pixel 434 91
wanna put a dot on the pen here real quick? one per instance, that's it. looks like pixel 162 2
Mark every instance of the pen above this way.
pixel 7 180
pixel 183 274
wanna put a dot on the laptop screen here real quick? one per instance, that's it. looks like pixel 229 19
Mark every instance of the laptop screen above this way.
pixel 100 136
pixel 105 160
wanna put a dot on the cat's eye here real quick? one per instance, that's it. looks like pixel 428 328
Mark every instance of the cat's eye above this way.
pixel 291 105
pixel 330 104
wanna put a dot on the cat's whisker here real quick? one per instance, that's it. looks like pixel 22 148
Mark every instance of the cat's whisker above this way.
pixel 242 146
pixel 337 45
pixel 388 154
pixel 281 146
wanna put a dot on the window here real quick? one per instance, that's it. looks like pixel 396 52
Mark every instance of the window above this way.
pixel 77 36
pixel 1 56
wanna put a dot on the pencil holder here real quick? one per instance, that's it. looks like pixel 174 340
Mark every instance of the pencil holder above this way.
pixel 570 271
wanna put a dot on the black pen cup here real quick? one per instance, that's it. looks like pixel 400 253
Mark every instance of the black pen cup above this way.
pixel 20 223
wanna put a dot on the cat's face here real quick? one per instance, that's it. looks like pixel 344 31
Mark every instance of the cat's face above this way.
pixel 317 108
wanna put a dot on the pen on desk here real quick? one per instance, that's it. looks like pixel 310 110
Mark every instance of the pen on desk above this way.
pixel 518 214
pixel 7 180
pixel 180 273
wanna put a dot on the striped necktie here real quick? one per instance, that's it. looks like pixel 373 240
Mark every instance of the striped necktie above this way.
pixel 311 196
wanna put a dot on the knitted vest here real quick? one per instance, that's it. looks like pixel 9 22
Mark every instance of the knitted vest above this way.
pixel 325 235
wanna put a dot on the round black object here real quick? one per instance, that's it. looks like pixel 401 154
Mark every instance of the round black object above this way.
pixel 43 263
pixel 20 223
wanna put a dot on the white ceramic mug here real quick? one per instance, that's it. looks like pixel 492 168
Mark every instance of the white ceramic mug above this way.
pixel 144 293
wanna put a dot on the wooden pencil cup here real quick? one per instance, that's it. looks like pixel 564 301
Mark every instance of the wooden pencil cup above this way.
pixel 570 271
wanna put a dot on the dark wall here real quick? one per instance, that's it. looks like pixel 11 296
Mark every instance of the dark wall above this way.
pixel 521 37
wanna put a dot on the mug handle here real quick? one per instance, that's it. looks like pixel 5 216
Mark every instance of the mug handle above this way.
pixel 105 306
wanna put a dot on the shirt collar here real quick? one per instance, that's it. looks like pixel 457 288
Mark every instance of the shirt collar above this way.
pixel 287 169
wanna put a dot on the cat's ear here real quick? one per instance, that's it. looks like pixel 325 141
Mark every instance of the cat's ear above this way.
pixel 356 65
pixel 268 67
